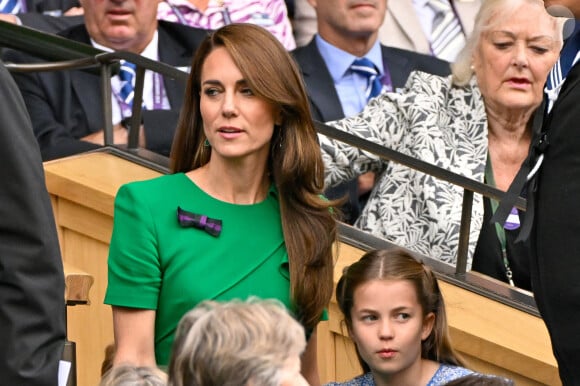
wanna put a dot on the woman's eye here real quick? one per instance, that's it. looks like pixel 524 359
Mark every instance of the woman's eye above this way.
pixel 211 91
pixel 539 50
pixel 502 45
pixel 247 91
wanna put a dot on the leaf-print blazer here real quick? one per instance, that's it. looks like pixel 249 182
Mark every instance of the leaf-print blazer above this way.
pixel 431 120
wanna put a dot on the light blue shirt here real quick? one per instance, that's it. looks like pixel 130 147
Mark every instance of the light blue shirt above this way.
pixel 350 86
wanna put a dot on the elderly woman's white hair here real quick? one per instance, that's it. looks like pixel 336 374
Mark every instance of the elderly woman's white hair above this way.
pixel 490 13
pixel 235 343
pixel 129 375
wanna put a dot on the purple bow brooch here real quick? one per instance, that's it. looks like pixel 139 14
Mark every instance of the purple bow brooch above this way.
pixel 188 219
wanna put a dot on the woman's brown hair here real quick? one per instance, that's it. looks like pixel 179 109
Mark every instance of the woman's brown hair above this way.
pixel 398 264
pixel 295 163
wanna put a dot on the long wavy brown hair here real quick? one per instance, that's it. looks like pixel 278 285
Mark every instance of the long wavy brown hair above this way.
pixel 295 163
pixel 398 264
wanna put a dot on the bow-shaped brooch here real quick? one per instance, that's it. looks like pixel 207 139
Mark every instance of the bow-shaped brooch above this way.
pixel 199 221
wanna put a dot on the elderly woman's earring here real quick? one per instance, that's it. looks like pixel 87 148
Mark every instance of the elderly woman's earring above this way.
pixel 206 143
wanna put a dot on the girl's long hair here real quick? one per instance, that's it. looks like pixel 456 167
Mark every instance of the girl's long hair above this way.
pixel 398 264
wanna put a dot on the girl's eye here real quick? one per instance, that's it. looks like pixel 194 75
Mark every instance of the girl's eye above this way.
pixel 368 318
pixel 402 316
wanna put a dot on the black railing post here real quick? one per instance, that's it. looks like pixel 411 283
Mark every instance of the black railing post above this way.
pixel 463 246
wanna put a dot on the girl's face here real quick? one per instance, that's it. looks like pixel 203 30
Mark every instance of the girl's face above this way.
pixel 388 327
pixel 237 123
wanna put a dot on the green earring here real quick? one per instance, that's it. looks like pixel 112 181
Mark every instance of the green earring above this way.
pixel 206 143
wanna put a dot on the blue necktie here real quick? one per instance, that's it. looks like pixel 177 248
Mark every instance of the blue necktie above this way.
pixel 9 6
pixel 366 68
pixel 127 76
pixel 558 73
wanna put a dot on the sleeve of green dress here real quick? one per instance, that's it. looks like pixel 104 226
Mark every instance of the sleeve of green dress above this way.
pixel 134 271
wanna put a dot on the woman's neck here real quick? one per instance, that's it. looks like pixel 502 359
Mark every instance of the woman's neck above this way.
pixel 233 183
pixel 509 140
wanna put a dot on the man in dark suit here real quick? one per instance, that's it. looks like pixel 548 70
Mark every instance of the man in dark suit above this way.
pixel 66 106
pixel 347 32
pixel 32 325
pixel 45 15
pixel 555 237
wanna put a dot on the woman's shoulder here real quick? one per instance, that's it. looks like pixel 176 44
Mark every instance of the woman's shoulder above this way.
pixel 420 79
pixel 154 191
pixel 362 380
pixel 446 373
pixel 163 183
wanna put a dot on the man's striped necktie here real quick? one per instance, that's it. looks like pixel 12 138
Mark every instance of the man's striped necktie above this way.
pixel 366 68
pixel 9 6
pixel 127 76
pixel 558 73
pixel 447 37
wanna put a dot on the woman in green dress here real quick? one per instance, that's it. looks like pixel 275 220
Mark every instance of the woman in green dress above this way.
pixel 242 214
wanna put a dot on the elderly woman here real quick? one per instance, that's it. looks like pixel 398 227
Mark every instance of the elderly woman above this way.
pixel 475 123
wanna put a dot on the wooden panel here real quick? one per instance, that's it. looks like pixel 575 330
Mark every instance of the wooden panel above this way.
pixel 84 220
pixel 90 327
pixel 78 284
pixel 92 179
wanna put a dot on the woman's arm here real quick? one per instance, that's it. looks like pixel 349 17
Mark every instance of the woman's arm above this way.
pixel 134 336
pixel 310 362
pixel 383 121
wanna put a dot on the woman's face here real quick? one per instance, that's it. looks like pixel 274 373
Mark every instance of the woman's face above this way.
pixel 388 327
pixel 238 124
pixel 513 58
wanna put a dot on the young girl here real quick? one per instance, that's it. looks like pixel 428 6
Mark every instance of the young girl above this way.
pixel 395 315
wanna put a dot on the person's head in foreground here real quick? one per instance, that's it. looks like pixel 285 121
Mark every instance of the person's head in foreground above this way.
pixel 129 375
pixel 238 343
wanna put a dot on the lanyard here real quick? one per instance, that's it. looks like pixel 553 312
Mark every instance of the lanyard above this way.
pixel 499 229
pixel 386 79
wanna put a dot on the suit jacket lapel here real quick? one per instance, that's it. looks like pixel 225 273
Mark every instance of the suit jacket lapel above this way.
pixel 570 83
pixel 404 13
pixel 398 67
pixel 466 11
pixel 173 53
pixel 319 84
pixel 86 86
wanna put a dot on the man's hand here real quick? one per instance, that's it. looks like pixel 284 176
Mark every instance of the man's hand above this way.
pixel 120 136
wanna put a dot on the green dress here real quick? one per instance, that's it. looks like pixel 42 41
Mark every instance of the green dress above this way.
pixel 156 264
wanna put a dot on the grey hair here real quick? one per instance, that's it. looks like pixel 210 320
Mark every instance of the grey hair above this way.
pixel 234 343
pixel 129 375
pixel 490 13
